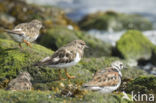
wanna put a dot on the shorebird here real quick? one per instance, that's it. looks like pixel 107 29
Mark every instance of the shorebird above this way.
pixel 21 82
pixel 106 80
pixel 66 56
pixel 26 32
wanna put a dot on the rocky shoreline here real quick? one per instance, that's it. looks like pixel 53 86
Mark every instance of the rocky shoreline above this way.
pixel 133 46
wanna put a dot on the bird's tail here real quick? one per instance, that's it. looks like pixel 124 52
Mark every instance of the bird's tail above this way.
pixel 42 62
pixel 16 32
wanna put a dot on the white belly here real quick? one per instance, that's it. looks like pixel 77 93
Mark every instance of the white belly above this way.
pixel 65 65
pixel 17 38
pixel 31 39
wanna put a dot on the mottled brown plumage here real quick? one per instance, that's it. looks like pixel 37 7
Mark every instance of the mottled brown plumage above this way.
pixel 21 82
pixel 26 32
pixel 106 80
pixel 106 77
pixel 65 56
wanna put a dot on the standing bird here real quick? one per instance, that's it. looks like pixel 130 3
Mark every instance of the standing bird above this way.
pixel 106 80
pixel 66 56
pixel 21 82
pixel 26 32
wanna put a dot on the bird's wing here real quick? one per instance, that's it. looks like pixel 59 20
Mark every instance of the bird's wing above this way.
pixel 19 29
pixel 15 31
pixel 11 83
pixel 28 28
pixel 60 56
pixel 106 77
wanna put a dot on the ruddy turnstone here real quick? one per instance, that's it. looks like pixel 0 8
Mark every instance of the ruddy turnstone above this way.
pixel 21 82
pixel 106 80
pixel 66 56
pixel 26 32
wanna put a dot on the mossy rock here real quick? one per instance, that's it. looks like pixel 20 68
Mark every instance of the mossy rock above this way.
pixel 153 57
pixel 5 36
pixel 50 97
pixel 133 45
pixel 142 84
pixel 13 59
pixel 84 72
pixel 58 36
pixel 111 20
pixel 24 12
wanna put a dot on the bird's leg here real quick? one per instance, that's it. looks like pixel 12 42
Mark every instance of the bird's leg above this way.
pixel 69 77
pixel 27 43
pixel 60 77
pixel 20 46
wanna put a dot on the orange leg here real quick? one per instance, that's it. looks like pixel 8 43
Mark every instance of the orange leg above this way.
pixel 69 77
pixel 27 43
pixel 20 46
pixel 60 77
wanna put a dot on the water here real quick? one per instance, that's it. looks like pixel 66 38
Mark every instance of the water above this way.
pixel 76 9
pixel 112 37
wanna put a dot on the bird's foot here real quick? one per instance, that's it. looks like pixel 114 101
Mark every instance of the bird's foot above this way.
pixel 62 79
pixel 27 43
pixel 70 77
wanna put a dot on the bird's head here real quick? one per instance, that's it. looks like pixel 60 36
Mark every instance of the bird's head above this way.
pixel 25 75
pixel 80 44
pixel 37 23
pixel 118 65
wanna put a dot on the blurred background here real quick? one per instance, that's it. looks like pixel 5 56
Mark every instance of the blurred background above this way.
pixel 77 9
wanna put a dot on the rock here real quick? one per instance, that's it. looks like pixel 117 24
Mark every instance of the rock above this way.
pixel 142 84
pixel 21 82
pixel 153 57
pixel 13 60
pixel 18 11
pixel 4 35
pixel 133 45
pixel 58 36
pixel 113 21
pixel 51 97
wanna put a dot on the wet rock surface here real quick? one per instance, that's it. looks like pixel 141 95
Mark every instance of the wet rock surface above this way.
pixel 113 21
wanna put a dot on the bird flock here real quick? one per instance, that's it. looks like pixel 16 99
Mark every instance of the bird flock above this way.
pixel 106 80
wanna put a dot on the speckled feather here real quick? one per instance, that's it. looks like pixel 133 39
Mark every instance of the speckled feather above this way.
pixel 105 77
pixel 65 54
pixel 26 31
pixel 21 82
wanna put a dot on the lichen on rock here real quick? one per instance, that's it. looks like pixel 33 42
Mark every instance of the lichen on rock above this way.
pixel 111 20
pixel 134 45
pixel 59 36
pixel 142 84
pixel 12 59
